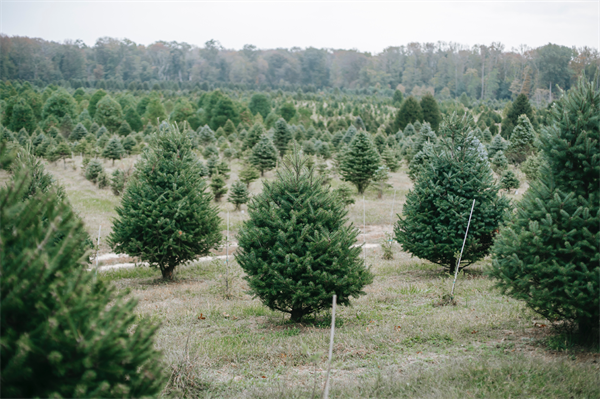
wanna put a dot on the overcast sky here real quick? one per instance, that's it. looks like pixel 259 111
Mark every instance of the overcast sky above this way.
pixel 363 25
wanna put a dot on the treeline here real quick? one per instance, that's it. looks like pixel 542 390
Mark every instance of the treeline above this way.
pixel 445 70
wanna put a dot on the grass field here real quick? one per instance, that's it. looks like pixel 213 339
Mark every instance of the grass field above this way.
pixel 396 341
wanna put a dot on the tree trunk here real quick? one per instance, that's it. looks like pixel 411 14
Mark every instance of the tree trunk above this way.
pixel 167 272
pixel 297 315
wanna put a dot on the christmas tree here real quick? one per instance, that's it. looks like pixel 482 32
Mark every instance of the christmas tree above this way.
pixel 437 209
pixel 249 174
pixel 359 164
pixel 239 194
pixel 509 180
pixel 264 155
pixel 497 144
pixel 410 112
pixel 281 136
pixel 297 248
pixel 253 136
pixel 548 254
pixel 499 163
pixel 124 129
pixel 521 141
pixel 93 170
pixel 165 217
pixel 431 111
pixel 78 133
pixel 218 187
pixel 113 150
pixel 63 335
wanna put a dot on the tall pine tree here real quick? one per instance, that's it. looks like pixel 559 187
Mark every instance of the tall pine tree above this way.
pixel 360 162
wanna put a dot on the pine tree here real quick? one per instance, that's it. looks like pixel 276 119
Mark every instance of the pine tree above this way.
pixel 218 187
pixel 94 129
pixel 22 117
pixel 133 119
pixel 264 155
pixel 497 144
pixel 547 255
pixel 281 136
pixel 96 97
pixel 398 98
pixel 23 137
pixel 308 147
pixel 63 335
pixel 380 142
pixel 66 125
pixel 297 248
pixel 113 150
pixel 350 133
pixel 410 112
pixel 487 135
pixel 165 217
pixel 253 136
pixel 210 151
pixel 409 130
pixel 62 151
pixel 380 179
pixel 360 162
pixel 109 114
pixel 206 136
pixel 499 163
pixel 124 129
pixel 155 111
pixel 437 209
pixel 239 194
pixel 531 167
pixel 93 170
pixel 521 141
pixel 59 104
pixel 431 111
pixel 520 107
pixel 78 133
pixel 509 181
pixel 117 183
pixel 249 174
pixel 229 128
pixel 390 159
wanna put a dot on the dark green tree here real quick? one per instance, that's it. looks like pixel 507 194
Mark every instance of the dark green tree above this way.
pixel 497 144
pixel 287 111
pixel 520 107
pixel 206 136
pixel 78 133
pixel 124 129
pixel 521 141
pixel 548 253
pixel 59 104
pixel 410 112
pixel 360 162
pixel 96 97
pixel 93 170
pixel 22 117
pixel 155 111
pixel 281 136
pixel 62 151
pixel 264 155
pixel 239 194
pixel 297 248
pixel 398 98
pixel 229 128
pixel 66 125
pixel 64 334
pixel 113 150
pixel 509 180
pixel 165 217
pixel 437 209
pixel 129 143
pixel 109 114
pixel 134 119
pixel 248 174
pixel 499 163
pixel 253 136
pixel 218 186
pixel 390 160
pixel 431 111
pixel 260 104
pixel 117 182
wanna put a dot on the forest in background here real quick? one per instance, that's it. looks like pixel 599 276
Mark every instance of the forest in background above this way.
pixel 446 70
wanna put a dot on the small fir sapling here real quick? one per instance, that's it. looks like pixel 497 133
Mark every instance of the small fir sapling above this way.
pixel 239 194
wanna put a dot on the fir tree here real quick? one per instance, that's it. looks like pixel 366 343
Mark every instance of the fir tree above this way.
pixel 521 141
pixel 437 209
pixel 253 136
pixel 210 151
pixel 133 119
pixel 113 150
pixel 62 151
pixel 22 117
pixel 102 131
pixel 308 147
pixel 155 111
pixel 281 136
pixel 431 111
pixel 497 144
pixel 165 217
pixel 360 162
pixel 390 159
pixel 64 335
pixel 93 170
pixel 260 104
pixel 297 248
pixel 487 135
pixel 229 128
pixel 94 129
pixel 59 104
pixel 264 155
pixel 380 142
pixel 520 107
pixel 109 114
pixel 547 255
pixel 531 167
pixel 398 98
pixel 218 187
pixel 239 194
pixel 129 143
pixel 78 133
pixel 124 129
pixel 66 125
pixel 380 179
pixel 249 174
pixel 96 97
pixel 350 133
pixel 509 181
pixel 206 136
pixel 410 112
pixel 409 130
pixel 499 163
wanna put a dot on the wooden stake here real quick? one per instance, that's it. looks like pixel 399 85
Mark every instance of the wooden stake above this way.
pixel 461 250
pixel 326 393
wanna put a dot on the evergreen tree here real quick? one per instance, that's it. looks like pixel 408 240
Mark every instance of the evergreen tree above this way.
pixel 128 144
pixel 249 174
pixel 437 209
pixel 218 187
pixel 499 163
pixel 206 136
pixel 390 160
pixel 66 125
pixel 520 107
pixel 113 150
pixel 94 129
pixel 260 104
pixel 360 162
pixel 410 112
pixel 155 111
pixel 350 133
pixel 239 194
pixel 531 167
pixel 96 97
pixel 78 133
pixel 23 137
pixel 380 142
pixel 497 144
pixel 124 129
pixel 93 170
pixel 22 117
pixel 133 119
pixel 431 111
pixel 62 151
pixel 521 141
pixel 398 98
pixel 287 111
pixel 380 179
pixel 229 128
pixel 109 114
pixel 253 136
pixel 509 181
pixel 308 148
pixel 63 335
pixel 210 151
pixel 297 248
pixel 264 155
pixel 547 254
pixel 165 217
pixel 487 135
pixel 281 136
pixel 409 130
pixel 59 104
pixel 117 183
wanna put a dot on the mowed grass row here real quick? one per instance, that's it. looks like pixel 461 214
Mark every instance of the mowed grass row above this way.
pixel 395 341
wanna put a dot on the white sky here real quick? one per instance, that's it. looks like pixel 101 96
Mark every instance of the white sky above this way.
pixel 363 25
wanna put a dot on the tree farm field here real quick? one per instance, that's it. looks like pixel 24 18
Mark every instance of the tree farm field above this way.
pixel 398 340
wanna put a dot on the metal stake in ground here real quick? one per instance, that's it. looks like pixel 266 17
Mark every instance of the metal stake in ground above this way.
pixel 326 393
pixel 461 250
